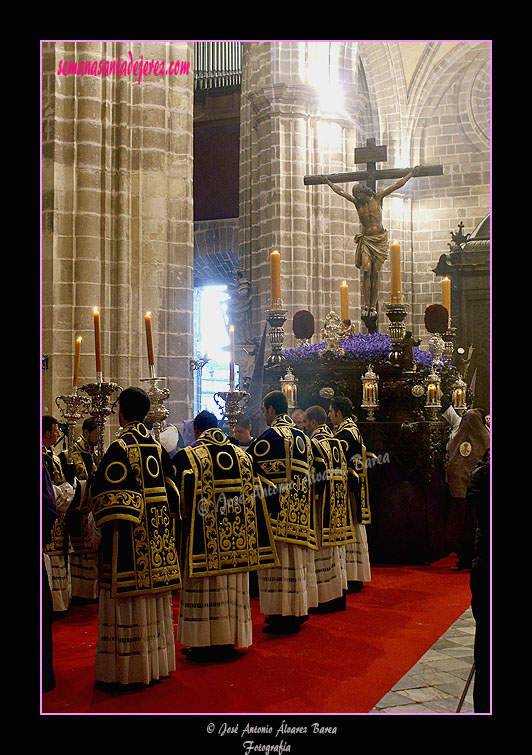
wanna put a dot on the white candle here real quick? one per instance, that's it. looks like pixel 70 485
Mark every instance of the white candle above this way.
pixel 232 358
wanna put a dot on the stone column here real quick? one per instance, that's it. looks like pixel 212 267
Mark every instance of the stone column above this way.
pixel 290 129
pixel 118 216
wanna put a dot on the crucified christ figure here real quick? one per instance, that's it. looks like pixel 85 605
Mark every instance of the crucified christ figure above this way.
pixel 371 246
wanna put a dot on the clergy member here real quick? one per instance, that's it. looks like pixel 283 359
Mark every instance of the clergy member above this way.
pixel 228 534
pixel 84 535
pixel 56 550
pixel 242 431
pixel 134 499
pixel 346 430
pixel 334 521
pixel 283 454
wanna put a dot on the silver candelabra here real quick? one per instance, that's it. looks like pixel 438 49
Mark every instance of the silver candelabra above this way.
pixel 276 319
pixel 75 406
pixel 158 411
pixel 234 403
pixel 101 407
pixel 396 313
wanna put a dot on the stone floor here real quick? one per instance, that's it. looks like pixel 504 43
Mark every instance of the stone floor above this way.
pixel 437 681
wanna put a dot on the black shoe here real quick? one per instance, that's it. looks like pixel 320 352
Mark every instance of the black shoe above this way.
pixel 210 653
pixel 354 586
pixel 284 625
pixel 273 618
pixel 336 604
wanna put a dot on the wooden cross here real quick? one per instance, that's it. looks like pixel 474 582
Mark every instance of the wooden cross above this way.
pixel 372 154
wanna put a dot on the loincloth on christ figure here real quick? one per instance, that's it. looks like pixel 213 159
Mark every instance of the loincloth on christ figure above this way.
pixel 371 250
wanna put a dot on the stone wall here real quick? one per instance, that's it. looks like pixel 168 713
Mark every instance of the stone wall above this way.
pixel 117 218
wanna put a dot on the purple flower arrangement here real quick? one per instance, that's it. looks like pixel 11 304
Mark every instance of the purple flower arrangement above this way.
pixel 367 347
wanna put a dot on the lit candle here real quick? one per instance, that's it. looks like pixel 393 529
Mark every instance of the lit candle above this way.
pixel 446 295
pixel 232 358
pixel 76 362
pixel 275 274
pixel 149 344
pixel 370 393
pixel 344 301
pixel 431 394
pixel 395 267
pixel 97 345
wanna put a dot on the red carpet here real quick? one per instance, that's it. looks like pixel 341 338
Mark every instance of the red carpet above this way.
pixel 339 663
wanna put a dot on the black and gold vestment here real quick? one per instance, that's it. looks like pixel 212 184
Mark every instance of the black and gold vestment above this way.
pixel 223 501
pixel 59 541
pixel 330 488
pixel 283 455
pixel 78 528
pixel 356 456
pixel 134 503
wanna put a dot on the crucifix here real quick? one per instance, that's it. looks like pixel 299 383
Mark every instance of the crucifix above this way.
pixel 372 244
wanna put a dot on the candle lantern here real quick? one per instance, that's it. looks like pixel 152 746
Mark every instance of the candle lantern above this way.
pixel 459 389
pixel 433 395
pixel 370 393
pixel 289 388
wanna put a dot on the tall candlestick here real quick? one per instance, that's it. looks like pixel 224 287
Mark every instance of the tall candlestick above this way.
pixel 76 362
pixel 232 358
pixel 446 295
pixel 147 322
pixel 395 267
pixel 344 301
pixel 275 275
pixel 97 345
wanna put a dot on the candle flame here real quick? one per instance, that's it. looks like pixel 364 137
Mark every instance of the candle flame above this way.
pixel 231 328
pixel 96 310
pixel 148 314
pixel 79 339
pixel 344 283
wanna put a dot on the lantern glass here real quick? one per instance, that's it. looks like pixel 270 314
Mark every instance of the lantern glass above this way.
pixel 370 392
pixel 289 388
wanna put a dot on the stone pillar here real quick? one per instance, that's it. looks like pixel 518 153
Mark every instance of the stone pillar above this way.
pixel 118 216
pixel 289 130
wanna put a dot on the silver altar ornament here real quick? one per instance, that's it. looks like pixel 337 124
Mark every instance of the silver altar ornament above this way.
pixel 370 393
pixel 433 395
pixel 331 333
pixel 276 319
pixel 436 348
pixel 100 408
pixel 158 411
pixel 75 406
pixel 289 388
pixel 234 403
pixel 459 389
